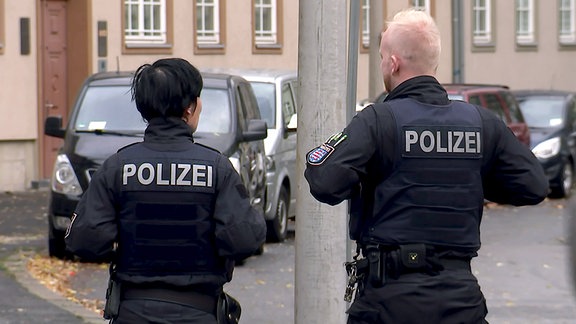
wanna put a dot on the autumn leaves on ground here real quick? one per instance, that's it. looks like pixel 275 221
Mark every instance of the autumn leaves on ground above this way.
pixel 56 274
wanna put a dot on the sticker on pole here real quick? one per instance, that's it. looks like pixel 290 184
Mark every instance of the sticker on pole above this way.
pixel 318 155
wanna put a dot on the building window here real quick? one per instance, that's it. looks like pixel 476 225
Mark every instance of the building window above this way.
pixel 423 5
pixel 525 22
pixel 209 26
pixel 567 17
pixel 146 23
pixel 266 23
pixel 482 22
pixel 365 24
pixel 2 45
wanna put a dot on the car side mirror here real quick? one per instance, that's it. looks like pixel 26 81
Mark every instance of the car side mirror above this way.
pixel 257 130
pixel 53 127
pixel 293 123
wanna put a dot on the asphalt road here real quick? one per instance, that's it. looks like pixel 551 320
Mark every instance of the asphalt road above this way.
pixel 523 268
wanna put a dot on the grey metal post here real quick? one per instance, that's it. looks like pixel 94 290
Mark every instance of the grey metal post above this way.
pixel 320 245
pixel 375 83
pixel 457 42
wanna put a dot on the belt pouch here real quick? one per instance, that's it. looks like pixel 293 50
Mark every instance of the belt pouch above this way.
pixel 413 256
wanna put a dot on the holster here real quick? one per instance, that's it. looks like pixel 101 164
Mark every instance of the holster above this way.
pixel 228 310
pixel 375 265
pixel 113 293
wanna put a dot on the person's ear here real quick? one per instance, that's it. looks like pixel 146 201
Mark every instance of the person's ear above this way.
pixel 395 63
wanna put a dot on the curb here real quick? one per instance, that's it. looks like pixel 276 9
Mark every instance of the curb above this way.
pixel 15 264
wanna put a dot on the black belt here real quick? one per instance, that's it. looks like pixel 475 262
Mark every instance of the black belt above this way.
pixel 452 263
pixel 382 262
pixel 190 298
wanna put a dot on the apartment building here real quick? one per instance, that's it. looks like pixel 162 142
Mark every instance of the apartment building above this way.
pixel 48 47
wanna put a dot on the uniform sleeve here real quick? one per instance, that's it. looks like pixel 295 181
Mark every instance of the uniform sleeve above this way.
pixel 513 176
pixel 93 229
pixel 335 169
pixel 240 228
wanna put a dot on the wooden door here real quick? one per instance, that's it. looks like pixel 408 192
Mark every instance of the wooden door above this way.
pixel 54 83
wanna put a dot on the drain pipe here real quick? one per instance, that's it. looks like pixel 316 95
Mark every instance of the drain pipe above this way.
pixel 457 42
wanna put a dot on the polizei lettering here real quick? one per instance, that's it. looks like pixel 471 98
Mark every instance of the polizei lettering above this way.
pixel 173 174
pixel 442 141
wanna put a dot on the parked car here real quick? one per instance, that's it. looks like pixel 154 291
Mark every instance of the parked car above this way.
pixel 276 93
pixel 551 116
pixel 104 118
pixel 497 98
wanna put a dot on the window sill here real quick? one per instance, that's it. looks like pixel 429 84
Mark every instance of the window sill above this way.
pixel 147 48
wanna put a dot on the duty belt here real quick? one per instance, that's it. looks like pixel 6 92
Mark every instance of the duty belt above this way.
pixel 190 298
pixel 382 262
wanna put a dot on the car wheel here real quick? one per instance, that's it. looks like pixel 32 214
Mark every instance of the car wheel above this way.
pixel 56 244
pixel 565 183
pixel 277 228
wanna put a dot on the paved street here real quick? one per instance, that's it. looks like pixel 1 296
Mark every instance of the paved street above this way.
pixel 522 268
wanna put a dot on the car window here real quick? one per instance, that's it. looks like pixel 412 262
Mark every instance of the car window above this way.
pixel 513 108
pixel 288 107
pixel 492 102
pixel 111 108
pixel 108 108
pixel 542 111
pixel 475 100
pixel 216 112
pixel 266 97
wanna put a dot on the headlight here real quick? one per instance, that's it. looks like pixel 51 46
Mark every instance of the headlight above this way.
pixel 64 179
pixel 547 149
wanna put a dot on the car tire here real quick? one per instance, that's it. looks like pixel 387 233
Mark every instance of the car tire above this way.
pixel 565 182
pixel 57 245
pixel 277 228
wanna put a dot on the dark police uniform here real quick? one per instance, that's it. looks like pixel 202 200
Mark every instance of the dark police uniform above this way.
pixel 179 214
pixel 417 169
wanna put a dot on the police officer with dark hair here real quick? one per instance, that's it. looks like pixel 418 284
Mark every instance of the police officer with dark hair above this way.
pixel 417 169
pixel 174 213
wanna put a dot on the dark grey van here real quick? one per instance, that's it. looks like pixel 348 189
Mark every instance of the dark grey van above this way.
pixel 104 119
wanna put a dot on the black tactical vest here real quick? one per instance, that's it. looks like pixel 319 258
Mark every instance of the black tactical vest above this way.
pixel 434 193
pixel 166 206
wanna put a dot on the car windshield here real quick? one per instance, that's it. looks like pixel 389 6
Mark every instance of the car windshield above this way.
pixel 111 109
pixel 543 112
pixel 266 98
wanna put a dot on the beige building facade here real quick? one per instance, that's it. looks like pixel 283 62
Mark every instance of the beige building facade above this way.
pixel 48 47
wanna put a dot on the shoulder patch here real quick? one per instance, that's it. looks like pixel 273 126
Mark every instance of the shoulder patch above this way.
pixel 318 155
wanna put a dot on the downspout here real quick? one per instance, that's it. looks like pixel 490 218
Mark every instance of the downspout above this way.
pixel 457 40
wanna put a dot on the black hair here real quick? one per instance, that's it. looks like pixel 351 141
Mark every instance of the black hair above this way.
pixel 165 88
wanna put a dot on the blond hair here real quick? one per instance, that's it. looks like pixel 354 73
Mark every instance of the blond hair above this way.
pixel 415 37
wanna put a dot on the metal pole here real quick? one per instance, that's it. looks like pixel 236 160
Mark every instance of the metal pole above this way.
pixel 320 244
pixel 353 40
pixel 375 83
pixel 457 36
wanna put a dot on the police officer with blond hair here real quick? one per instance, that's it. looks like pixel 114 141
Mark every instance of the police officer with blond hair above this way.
pixel 173 213
pixel 417 169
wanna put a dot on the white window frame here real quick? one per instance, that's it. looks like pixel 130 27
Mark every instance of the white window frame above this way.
pixel 482 36
pixel 205 35
pixel 145 34
pixel 525 23
pixel 264 36
pixel 423 5
pixel 365 9
pixel 567 30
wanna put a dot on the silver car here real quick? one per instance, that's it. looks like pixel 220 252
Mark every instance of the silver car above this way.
pixel 276 93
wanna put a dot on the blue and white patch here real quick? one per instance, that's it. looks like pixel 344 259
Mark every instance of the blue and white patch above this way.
pixel 318 155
